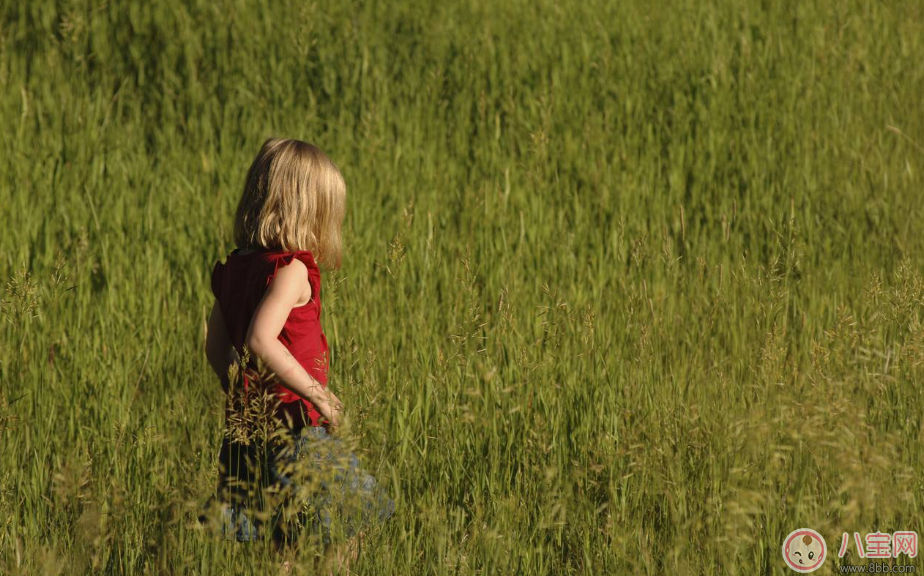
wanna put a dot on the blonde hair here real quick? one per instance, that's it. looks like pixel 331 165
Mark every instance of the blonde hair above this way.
pixel 294 199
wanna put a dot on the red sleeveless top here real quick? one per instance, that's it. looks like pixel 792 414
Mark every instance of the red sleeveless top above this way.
pixel 240 283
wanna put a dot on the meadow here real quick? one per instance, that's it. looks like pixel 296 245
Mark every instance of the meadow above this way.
pixel 628 287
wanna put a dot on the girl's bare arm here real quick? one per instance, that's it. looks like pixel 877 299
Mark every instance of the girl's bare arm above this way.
pixel 218 348
pixel 288 289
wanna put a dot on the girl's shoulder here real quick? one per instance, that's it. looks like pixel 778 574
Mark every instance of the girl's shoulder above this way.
pixel 282 259
pixel 263 265
pixel 286 257
pixel 276 257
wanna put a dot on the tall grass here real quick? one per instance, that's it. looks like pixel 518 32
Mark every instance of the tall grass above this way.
pixel 629 287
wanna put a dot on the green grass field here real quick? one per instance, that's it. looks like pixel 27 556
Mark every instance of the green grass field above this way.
pixel 628 288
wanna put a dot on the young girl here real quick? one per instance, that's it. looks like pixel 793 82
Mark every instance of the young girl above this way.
pixel 268 299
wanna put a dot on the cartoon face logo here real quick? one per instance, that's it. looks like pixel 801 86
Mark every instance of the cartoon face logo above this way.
pixel 804 550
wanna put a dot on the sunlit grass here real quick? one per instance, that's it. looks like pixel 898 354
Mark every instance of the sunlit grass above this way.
pixel 627 288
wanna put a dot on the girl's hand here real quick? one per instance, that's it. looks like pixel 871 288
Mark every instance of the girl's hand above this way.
pixel 335 413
